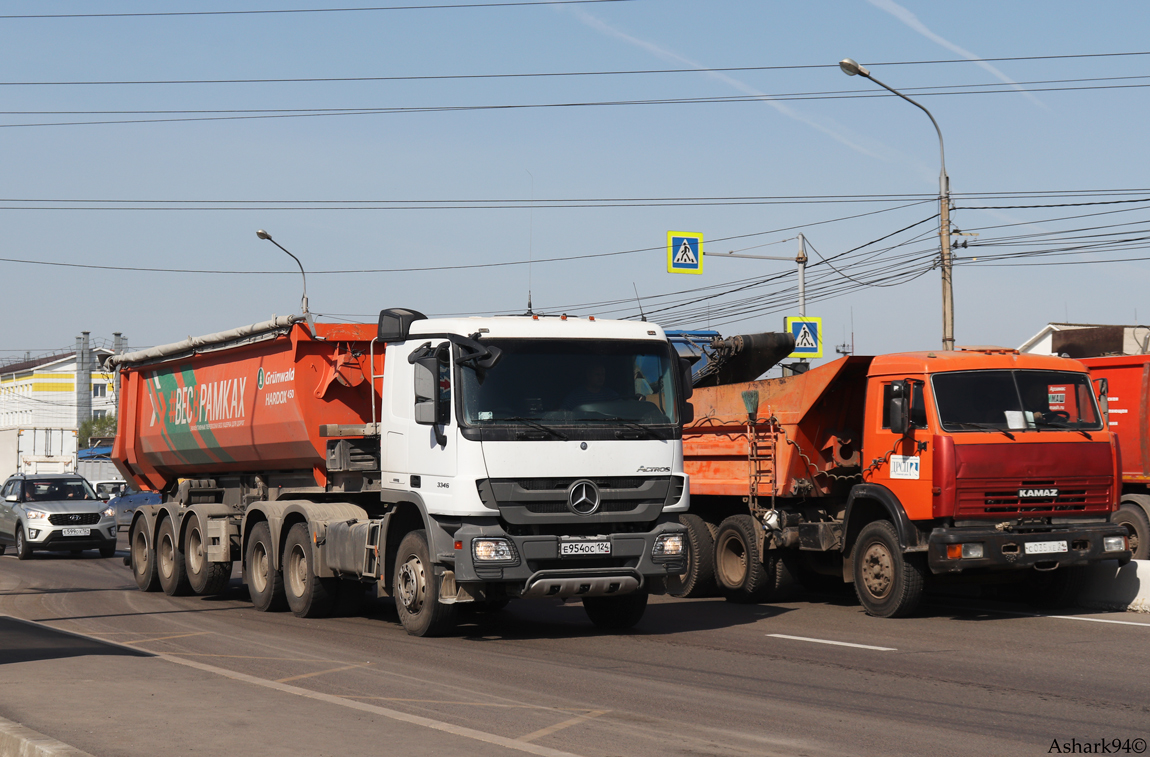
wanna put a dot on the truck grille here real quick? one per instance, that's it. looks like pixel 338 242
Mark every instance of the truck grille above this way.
pixel 1075 495
pixel 74 519
pixel 536 500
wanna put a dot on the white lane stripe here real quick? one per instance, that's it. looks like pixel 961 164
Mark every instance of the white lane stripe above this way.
pixel 1057 617
pixel 828 641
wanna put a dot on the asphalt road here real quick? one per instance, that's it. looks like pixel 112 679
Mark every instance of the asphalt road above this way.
pixel 696 677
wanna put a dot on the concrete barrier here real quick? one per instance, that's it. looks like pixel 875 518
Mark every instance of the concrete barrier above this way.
pixel 18 741
pixel 1112 588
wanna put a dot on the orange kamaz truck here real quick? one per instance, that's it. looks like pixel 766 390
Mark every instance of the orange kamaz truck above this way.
pixel 890 471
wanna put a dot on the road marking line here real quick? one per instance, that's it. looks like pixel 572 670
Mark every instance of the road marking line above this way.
pixel 560 726
pixel 437 725
pixel 165 638
pixel 321 672
pixel 1057 617
pixel 836 643
pixel 469 704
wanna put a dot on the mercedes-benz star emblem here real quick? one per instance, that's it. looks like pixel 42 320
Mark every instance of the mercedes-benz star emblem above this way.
pixel 583 497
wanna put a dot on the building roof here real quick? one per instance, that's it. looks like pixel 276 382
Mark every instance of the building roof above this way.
pixel 43 360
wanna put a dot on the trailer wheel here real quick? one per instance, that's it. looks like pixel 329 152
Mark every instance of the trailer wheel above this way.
pixel 205 578
pixel 143 558
pixel 699 578
pixel 889 583
pixel 1053 589
pixel 170 561
pixel 265 583
pixel 616 613
pixel 308 595
pixel 1133 515
pixel 416 591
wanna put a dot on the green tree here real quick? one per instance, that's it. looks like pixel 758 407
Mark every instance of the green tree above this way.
pixel 98 427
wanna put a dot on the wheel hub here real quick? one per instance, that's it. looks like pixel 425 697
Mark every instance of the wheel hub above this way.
pixel 260 567
pixel 298 571
pixel 411 584
pixel 195 556
pixel 140 553
pixel 167 557
pixel 732 562
pixel 878 570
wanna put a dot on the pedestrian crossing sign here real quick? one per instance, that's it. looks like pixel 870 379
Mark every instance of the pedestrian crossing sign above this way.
pixel 684 252
pixel 808 334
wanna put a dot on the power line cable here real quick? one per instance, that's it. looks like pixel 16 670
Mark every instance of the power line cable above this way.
pixel 156 14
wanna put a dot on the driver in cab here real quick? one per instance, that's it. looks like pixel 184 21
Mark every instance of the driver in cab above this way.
pixel 593 389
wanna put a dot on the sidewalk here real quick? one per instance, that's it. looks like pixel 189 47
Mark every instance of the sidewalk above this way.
pixel 110 701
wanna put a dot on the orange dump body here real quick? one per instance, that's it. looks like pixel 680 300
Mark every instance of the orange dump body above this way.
pixel 249 408
pixel 1129 399
pixel 821 411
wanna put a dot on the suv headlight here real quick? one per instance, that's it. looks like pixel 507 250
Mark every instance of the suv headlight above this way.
pixel 109 511
pixel 35 514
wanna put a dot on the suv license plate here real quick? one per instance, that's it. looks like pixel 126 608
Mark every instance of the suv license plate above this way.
pixel 1044 547
pixel 77 532
pixel 570 548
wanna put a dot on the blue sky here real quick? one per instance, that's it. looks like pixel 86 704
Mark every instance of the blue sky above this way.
pixel 1001 141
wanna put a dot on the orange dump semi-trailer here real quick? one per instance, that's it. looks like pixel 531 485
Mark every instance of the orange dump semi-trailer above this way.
pixel 257 405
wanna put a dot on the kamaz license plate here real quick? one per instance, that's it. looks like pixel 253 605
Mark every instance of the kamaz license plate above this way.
pixel 572 548
pixel 77 532
pixel 1044 547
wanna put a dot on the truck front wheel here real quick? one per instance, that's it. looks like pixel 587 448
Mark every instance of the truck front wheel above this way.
pixel 143 558
pixel 308 595
pixel 889 583
pixel 265 583
pixel 1132 514
pixel 616 613
pixel 205 578
pixel 699 578
pixel 416 591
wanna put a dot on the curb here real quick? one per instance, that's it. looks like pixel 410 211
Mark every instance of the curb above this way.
pixel 18 741
pixel 1109 587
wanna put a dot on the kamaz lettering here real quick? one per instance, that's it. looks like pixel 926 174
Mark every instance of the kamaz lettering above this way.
pixel 1033 493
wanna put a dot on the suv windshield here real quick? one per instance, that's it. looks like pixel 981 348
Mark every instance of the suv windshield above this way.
pixel 56 489
pixel 581 382
pixel 1023 400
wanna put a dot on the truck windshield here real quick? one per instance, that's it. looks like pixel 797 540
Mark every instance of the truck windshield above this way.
pixel 581 382
pixel 1023 400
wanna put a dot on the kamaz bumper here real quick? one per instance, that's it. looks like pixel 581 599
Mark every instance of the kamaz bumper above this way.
pixel 959 550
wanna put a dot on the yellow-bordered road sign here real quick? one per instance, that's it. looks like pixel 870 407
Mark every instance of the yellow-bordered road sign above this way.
pixel 684 252
pixel 808 334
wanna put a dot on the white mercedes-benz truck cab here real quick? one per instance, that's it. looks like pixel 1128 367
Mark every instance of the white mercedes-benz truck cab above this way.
pixel 545 454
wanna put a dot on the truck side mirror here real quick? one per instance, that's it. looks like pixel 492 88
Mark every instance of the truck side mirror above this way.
pixel 900 407
pixel 432 403
pixel 687 389
pixel 1103 396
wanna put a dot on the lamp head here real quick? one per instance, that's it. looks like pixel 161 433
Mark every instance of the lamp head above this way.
pixel 851 68
pixel 263 234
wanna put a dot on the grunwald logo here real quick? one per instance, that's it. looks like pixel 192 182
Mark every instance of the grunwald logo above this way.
pixel 653 469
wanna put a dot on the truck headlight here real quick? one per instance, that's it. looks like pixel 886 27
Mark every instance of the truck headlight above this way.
pixel 1114 544
pixel 35 514
pixel 492 550
pixel 971 551
pixel 668 545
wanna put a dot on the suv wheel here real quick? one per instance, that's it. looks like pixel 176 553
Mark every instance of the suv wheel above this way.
pixel 23 548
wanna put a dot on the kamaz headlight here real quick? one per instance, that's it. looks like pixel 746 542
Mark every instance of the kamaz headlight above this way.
pixel 1114 544
pixel 492 550
pixel 668 545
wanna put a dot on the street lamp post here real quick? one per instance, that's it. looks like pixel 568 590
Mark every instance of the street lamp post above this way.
pixel 303 301
pixel 851 68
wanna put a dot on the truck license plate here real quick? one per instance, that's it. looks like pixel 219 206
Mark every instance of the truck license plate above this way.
pixel 77 532
pixel 1044 547
pixel 568 548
